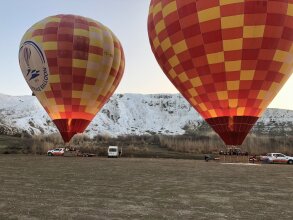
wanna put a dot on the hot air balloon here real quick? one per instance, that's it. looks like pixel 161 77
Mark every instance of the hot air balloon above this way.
pixel 73 65
pixel 228 58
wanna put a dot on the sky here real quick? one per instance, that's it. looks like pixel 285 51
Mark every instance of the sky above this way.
pixel 126 18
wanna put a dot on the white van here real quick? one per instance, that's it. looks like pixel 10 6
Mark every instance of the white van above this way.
pixel 113 151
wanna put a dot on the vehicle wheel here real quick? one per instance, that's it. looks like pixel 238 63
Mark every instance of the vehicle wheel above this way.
pixel 290 161
pixel 50 154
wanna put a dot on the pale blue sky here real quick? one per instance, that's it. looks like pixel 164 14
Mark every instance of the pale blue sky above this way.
pixel 126 18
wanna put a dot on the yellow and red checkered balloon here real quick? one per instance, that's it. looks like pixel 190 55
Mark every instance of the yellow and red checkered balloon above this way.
pixel 228 58
pixel 73 65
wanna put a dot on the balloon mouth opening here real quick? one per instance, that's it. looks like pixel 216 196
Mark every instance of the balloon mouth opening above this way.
pixel 66 136
pixel 69 127
pixel 233 130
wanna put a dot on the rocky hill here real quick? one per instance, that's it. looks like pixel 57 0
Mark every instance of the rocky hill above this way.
pixel 127 114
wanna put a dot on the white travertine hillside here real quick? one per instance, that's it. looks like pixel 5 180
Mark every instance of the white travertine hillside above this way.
pixel 122 115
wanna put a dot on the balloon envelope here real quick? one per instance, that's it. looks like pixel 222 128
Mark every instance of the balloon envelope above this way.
pixel 229 59
pixel 73 65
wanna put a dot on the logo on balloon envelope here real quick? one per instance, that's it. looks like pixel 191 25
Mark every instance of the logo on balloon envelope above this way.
pixel 34 65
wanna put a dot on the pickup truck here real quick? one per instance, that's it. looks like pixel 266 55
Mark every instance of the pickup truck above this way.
pixel 276 158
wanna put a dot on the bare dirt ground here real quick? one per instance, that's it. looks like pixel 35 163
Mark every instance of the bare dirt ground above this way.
pixel 40 187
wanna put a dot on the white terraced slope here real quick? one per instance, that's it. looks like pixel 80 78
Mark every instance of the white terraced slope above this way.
pixel 122 115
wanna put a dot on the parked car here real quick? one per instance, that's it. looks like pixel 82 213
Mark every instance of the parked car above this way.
pixel 114 151
pixel 276 158
pixel 56 152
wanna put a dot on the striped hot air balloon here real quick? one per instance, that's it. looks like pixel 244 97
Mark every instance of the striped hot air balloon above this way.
pixel 228 58
pixel 73 65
